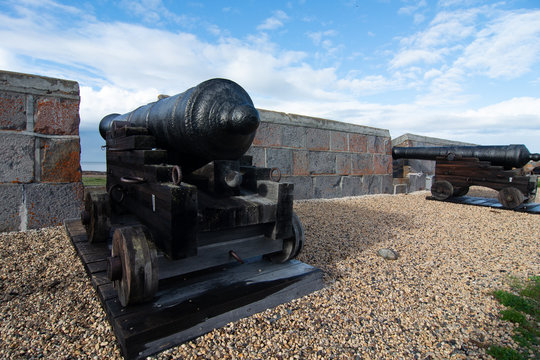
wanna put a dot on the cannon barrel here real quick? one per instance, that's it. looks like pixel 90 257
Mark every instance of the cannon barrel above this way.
pixel 508 156
pixel 215 120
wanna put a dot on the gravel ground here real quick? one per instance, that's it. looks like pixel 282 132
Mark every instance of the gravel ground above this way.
pixel 433 302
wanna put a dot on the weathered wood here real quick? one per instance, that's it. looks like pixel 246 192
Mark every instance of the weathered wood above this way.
pixel 138 279
pixel 461 173
pixel 131 143
pixel 138 157
pixel 191 305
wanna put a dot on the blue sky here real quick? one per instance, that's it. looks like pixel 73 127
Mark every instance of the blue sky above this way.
pixel 465 70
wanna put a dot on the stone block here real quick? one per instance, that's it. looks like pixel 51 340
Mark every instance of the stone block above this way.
pixel 34 84
pixel 326 187
pixel 16 158
pixel 388 146
pixel 321 162
pixel 343 164
pixel 50 204
pixel 352 186
pixel 12 111
pixel 372 184
pixel 387 186
pixel 382 164
pixel 339 141
pixel 60 160
pixel 371 144
pixel 294 137
pixel 317 139
pixel 303 186
pixel 280 158
pixel 380 144
pixel 358 143
pixel 400 189
pixel 417 181
pixel 268 134
pixel 10 206
pixel 361 164
pixel 54 116
pixel 300 162
pixel 259 156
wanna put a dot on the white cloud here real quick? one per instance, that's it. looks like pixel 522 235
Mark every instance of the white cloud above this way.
pixel 318 37
pixel 419 18
pixel 95 104
pixel 410 9
pixel 274 22
pixel 152 12
pixel 523 110
pixel 507 47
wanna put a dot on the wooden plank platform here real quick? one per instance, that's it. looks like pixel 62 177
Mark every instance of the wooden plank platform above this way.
pixel 190 306
pixel 531 208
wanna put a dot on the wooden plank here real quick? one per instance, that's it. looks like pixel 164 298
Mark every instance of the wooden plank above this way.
pixel 217 253
pixel 97 266
pixel 181 313
pixel 138 142
pixel 493 183
pixel 191 305
pixel 106 292
pixel 100 278
pixel 138 157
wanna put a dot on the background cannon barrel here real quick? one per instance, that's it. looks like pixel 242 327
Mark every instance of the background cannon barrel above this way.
pixel 215 120
pixel 508 155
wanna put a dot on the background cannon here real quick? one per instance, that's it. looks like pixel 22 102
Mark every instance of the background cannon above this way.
pixel 181 197
pixel 509 156
pixel 496 167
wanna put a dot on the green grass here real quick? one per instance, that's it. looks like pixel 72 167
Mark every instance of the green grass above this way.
pixel 94 180
pixel 523 309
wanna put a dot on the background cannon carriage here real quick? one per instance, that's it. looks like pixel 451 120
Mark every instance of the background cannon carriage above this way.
pixel 459 167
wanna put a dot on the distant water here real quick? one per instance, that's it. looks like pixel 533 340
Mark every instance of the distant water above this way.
pixel 93 166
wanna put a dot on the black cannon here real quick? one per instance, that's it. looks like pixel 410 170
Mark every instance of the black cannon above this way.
pixel 182 196
pixel 496 167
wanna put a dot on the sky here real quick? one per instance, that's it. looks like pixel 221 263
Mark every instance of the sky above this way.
pixel 466 70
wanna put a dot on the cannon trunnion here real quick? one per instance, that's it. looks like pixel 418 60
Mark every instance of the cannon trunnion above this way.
pixel 181 196
pixel 459 167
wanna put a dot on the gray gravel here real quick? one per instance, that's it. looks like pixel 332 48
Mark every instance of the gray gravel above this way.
pixel 433 302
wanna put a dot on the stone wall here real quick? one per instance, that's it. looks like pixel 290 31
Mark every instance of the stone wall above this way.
pixel 411 174
pixel 324 158
pixel 40 176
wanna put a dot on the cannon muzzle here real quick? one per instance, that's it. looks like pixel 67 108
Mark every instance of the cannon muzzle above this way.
pixel 508 156
pixel 215 120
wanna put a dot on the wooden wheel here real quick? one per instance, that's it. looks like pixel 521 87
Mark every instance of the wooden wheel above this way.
pixel 292 245
pixel 442 190
pixel 460 191
pixel 96 216
pixel 511 197
pixel 137 279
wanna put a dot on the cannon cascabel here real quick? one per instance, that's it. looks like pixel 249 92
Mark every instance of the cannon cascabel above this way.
pixel 215 120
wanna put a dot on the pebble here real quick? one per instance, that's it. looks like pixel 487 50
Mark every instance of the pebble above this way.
pixel 433 303
pixel 388 254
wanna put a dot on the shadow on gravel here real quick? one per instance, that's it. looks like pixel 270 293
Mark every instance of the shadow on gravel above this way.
pixel 337 230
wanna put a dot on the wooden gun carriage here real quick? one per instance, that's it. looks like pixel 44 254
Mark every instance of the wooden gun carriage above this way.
pixel 496 167
pixel 182 196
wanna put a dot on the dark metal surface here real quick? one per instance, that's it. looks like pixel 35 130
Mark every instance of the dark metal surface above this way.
pixel 215 120
pixel 508 156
